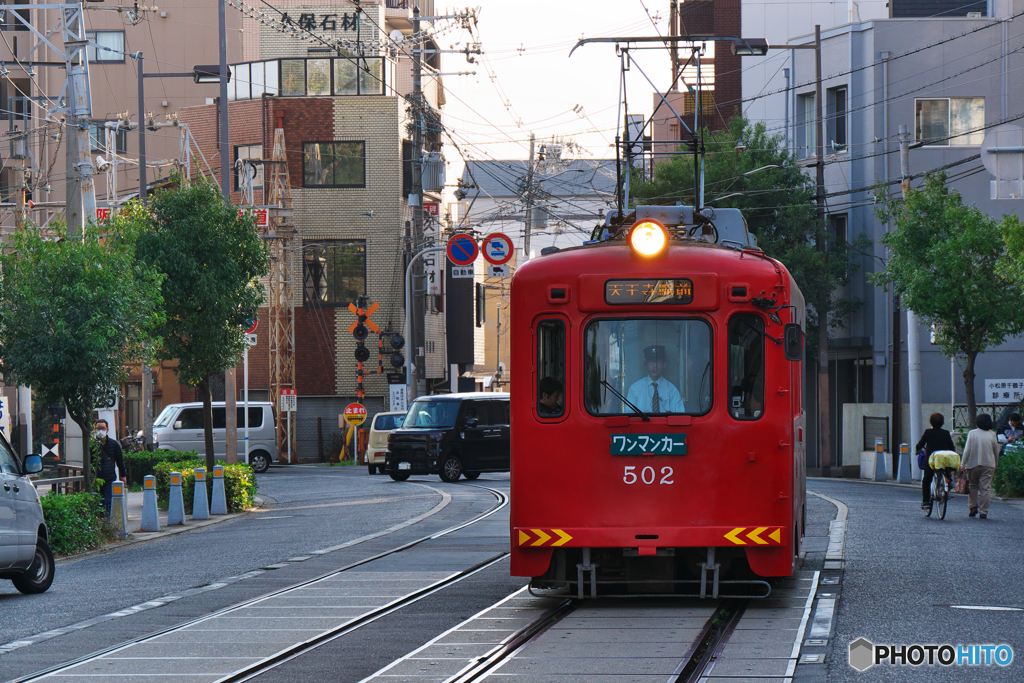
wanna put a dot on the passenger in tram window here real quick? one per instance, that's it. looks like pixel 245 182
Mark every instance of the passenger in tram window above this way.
pixel 654 393
pixel 551 398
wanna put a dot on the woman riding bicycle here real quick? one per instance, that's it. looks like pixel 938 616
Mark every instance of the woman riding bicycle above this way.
pixel 934 439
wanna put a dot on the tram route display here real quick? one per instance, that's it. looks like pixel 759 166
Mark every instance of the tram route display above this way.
pixel 648 291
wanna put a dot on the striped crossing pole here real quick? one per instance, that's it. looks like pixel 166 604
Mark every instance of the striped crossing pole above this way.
pixel 200 503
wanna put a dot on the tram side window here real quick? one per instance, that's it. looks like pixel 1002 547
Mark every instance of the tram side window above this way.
pixel 746 367
pixel 551 368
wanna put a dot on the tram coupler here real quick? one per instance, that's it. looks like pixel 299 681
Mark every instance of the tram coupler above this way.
pixel 586 567
pixel 704 567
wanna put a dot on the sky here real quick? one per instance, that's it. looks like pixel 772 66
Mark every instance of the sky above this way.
pixel 526 82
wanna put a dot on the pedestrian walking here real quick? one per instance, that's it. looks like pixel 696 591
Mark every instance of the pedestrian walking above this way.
pixel 981 457
pixel 110 455
pixel 934 439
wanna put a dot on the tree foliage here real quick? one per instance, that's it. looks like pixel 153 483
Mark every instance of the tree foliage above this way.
pixel 769 187
pixel 212 259
pixel 73 313
pixel 950 264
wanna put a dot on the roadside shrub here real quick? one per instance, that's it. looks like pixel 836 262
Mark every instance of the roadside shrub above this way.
pixel 140 465
pixel 74 521
pixel 239 483
pixel 1009 478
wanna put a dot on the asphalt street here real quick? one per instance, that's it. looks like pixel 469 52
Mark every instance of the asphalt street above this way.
pixel 907 579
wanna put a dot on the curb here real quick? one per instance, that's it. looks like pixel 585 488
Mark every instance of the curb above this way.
pixel 145 537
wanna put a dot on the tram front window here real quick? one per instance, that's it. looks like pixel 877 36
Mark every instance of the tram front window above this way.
pixel 660 366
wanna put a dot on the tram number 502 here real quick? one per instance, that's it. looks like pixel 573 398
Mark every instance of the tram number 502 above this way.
pixel 647 475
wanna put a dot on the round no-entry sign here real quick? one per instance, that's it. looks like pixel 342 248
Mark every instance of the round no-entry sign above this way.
pixel 497 248
pixel 255 323
pixel 462 249
pixel 355 414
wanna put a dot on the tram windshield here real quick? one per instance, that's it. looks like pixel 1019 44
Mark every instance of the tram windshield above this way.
pixel 658 365
pixel 431 414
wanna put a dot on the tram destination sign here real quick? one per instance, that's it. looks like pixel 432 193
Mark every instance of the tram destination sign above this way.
pixel 670 291
pixel 648 444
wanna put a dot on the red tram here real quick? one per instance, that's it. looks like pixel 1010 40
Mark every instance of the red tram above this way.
pixel 660 445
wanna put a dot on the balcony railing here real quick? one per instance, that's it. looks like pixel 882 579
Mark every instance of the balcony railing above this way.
pixel 311 77
pixel 396 4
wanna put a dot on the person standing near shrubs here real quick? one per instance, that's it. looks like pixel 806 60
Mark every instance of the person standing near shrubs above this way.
pixel 934 439
pixel 981 456
pixel 110 455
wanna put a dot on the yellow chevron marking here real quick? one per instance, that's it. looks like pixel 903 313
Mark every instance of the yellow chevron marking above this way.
pixel 776 535
pixel 564 537
pixel 542 537
pixel 523 537
pixel 733 535
pixel 753 535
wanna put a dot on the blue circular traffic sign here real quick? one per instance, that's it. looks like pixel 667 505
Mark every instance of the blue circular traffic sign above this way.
pixel 462 249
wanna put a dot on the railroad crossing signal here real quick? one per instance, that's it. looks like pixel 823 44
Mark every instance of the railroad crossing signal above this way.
pixel 360 332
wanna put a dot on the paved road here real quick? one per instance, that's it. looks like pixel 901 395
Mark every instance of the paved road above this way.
pixel 904 572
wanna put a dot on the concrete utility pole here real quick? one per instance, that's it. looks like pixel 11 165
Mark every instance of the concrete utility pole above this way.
pixel 418 303
pixel 19 152
pixel 824 435
pixel 81 191
pixel 673 46
pixel 230 394
pixel 913 328
pixel 529 201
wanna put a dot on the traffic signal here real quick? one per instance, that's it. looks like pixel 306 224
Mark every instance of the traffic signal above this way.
pixel 397 359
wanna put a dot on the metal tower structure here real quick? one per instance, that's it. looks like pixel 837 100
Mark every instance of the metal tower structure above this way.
pixel 282 320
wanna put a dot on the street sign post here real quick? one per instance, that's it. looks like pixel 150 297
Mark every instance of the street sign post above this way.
pixel 463 272
pixel 255 324
pixel 497 271
pixel 355 414
pixel 396 392
pixel 497 248
pixel 288 404
pixel 462 249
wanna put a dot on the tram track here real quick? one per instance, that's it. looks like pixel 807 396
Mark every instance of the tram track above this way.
pixel 327 635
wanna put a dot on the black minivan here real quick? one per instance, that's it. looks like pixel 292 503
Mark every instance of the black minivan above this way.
pixel 451 435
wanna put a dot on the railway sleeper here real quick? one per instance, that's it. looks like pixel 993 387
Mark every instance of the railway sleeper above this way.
pixel 680 572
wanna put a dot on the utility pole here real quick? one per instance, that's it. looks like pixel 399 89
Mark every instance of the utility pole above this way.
pixel 19 152
pixel 824 435
pixel 418 303
pixel 913 331
pixel 81 191
pixel 529 201
pixel 230 394
pixel 673 46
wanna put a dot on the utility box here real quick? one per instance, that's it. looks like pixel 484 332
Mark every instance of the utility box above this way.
pixel 433 172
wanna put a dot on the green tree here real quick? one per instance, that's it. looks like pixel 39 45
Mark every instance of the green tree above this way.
pixel 73 313
pixel 212 260
pixel 775 195
pixel 951 265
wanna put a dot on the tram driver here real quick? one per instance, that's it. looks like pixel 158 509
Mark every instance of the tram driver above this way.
pixel 654 393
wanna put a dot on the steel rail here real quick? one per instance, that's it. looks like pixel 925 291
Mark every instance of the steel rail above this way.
pixel 327 635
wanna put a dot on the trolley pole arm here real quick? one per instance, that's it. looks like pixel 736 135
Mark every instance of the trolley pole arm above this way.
pixel 408 319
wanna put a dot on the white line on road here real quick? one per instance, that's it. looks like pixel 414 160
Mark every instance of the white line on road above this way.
pixel 989 608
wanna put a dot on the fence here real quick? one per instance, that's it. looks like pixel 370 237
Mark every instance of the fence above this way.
pixel 999 412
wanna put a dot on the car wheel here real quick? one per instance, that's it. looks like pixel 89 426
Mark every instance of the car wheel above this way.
pixel 451 469
pixel 471 475
pixel 372 469
pixel 259 461
pixel 39 576
pixel 399 477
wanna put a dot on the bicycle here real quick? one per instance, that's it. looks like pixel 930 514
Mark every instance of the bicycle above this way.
pixel 942 487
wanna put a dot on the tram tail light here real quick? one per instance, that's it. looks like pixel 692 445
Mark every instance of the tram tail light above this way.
pixel 648 238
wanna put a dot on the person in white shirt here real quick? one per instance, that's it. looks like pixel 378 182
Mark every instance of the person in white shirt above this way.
pixel 654 393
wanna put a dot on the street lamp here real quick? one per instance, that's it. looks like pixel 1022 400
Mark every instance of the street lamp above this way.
pixel 208 73
pixel 749 47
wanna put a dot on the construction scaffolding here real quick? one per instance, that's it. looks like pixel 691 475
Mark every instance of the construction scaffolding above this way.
pixel 280 230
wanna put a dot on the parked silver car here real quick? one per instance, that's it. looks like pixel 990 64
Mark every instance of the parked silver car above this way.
pixel 179 427
pixel 25 556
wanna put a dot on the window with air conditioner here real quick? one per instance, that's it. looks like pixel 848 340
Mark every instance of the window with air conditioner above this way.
pixel 947 121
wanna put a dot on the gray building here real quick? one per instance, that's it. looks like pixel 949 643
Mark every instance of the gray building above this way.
pixel 946 77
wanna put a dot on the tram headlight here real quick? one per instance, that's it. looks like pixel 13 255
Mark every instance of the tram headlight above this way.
pixel 648 238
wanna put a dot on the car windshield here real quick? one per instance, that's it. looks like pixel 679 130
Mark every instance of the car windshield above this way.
pixel 658 365
pixel 385 423
pixel 164 418
pixel 426 413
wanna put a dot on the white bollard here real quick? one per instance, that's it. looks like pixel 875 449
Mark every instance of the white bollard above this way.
pixel 176 505
pixel 880 474
pixel 218 502
pixel 119 509
pixel 200 502
pixel 150 517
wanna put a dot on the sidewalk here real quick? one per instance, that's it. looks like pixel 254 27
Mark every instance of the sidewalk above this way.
pixel 1019 502
pixel 136 535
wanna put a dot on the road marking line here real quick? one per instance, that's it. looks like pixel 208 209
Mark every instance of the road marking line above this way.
pixel 988 608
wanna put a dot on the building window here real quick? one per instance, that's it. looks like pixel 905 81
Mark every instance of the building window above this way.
pixel 805 117
pixel 111 47
pixel 318 77
pixel 98 138
pixel 293 77
pixel 950 121
pixel 836 101
pixel 333 272
pixel 14 94
pixel 256 171
pixel 334 164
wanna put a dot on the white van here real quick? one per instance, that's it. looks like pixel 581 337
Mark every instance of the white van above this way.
pixel 179 427
pixel 25 556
